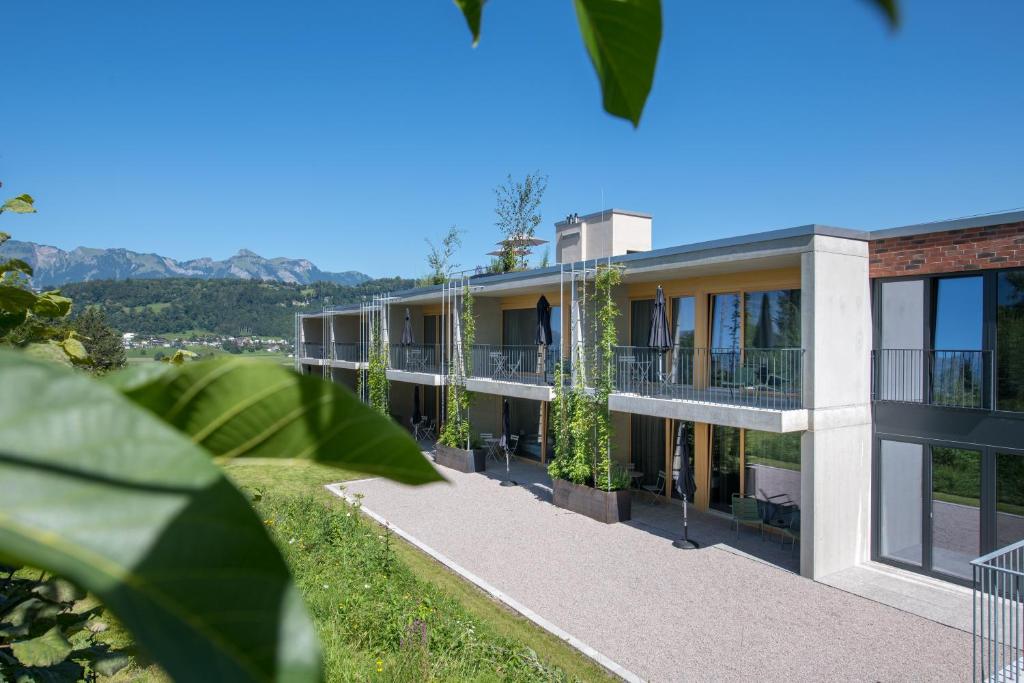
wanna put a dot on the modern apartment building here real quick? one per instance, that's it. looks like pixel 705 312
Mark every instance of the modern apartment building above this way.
pixel 872 382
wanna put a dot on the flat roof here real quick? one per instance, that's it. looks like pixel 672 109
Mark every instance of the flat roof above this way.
pixel 977 221
pixel 739 244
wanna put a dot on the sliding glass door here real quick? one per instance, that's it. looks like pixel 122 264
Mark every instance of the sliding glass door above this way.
pixel 940 506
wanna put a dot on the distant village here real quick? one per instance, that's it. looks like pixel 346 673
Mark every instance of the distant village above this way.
pixel 231 344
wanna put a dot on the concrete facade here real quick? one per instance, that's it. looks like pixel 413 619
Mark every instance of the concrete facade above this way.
pixel 836 450
pixel 832 268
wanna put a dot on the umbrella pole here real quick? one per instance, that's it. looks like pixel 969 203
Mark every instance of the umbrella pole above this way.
pixel 508 475
pixel 685 543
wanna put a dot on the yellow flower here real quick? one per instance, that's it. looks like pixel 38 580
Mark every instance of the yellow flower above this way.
pixel 380 665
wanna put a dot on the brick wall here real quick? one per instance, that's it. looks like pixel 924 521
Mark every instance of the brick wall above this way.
pixel 994 246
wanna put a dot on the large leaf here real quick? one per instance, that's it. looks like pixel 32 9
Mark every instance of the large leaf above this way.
pixel 15 264
pixel 16 299
pixel 46 650
pixel 891 10
pixel 98 490
pixel 21 204
pixel 52 305
pixel 622 37
pixel 237 407
pixel 473 11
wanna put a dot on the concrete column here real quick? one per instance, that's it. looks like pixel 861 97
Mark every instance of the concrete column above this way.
pixel 836 449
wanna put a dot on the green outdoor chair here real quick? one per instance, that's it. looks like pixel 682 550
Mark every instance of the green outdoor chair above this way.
pixel 746 512
pixel 791 531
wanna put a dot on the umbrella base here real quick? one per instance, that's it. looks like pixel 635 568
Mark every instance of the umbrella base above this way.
pixel 685 544
pixel 508 482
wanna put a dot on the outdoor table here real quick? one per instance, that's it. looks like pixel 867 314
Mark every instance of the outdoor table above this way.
pixel 499 365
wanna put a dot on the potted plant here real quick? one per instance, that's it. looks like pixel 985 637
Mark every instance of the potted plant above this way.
pixel 585 478
pixel 453 448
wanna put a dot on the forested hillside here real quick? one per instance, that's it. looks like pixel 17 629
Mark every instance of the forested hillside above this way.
pixel 180 305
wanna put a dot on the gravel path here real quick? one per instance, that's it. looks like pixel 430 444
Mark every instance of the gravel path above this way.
pixel 662 613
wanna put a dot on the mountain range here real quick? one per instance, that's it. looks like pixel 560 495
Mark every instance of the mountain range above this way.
pixel 54 267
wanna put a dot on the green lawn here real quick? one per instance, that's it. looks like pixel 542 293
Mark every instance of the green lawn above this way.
pixel 384 610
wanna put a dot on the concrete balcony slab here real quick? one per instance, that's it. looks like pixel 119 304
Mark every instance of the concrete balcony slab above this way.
pixel 426 378
pixel 742 416
pixel 534 392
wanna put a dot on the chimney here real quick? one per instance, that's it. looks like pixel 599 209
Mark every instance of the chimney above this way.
pixel 613 232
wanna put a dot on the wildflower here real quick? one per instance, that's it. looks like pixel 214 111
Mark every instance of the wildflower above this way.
pixel 291 541
pixel 326 586
pixel 268 522
pixel 380 665
pixel 366 586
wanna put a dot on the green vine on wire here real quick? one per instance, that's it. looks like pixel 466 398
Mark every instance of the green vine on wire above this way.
pixel 581 419
pixel 456 430
pixel 377 377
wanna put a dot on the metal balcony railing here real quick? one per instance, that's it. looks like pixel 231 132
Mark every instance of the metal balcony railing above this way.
pixel 522 364
pixel 953 379
pixel 761 378
pixel 352 352
pixel 998 612
pixel 313 351
pixel 417 358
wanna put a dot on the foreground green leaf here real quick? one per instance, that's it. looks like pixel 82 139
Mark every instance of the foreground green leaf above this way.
pixel 15 264
pixel 47 650
pixel 891 10
pixel 622 38
pixel 52 305
pixel 96 489
pixel 237 407
pixel 473 11
pixel 16 299
pixel 21 204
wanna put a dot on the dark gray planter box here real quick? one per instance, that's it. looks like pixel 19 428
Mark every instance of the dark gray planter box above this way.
pixel 460 459
pixel 604 506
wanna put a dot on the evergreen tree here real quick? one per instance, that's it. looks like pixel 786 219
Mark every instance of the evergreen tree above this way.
pixel 101 340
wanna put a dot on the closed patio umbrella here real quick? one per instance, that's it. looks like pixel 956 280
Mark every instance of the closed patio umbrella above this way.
pixel 407 338
pixel 416 414
pixel 506 440
pixel 686 486
pixel 660 337
pixel 542 337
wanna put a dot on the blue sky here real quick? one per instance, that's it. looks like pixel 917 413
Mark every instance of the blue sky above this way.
pixel 346 132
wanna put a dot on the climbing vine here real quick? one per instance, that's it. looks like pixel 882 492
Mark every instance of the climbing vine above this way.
pixel 377 377
pixel 456 430
pixel 580 417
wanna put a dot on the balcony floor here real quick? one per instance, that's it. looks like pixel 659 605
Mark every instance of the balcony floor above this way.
pixel 717 613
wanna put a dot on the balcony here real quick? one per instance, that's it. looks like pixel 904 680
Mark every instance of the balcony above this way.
pixel 350 352
pixel 312 351
pixel 421 358
pixel 950 379
pixel 526 371
pixel 749 387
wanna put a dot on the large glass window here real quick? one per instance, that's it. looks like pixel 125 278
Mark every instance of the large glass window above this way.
pixel 726 322
pixel 725 466
pixel 1009 499
pixel 957 362
pixel 647 446
pixel 1010 340
pixel 640 321
pixel 684 314
pixel 685 321
pixel 956 510
pixel 901 467
pixel 772 319
pixel 958 313
pixel 519 327
pixel 772 467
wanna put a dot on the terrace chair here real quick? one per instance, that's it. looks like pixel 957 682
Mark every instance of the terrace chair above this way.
pixel 658 488
pixel 513 444
pixel 427 432
pixel 791 530
pixel 491 445
pixel 745 512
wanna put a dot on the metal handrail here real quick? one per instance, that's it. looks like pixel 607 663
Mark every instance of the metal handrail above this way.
pixel 352 352
pixel 522 364
pixel 757 377
pixel 949 378
pixel 312 350
pixel 998 614
pixel 417 358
